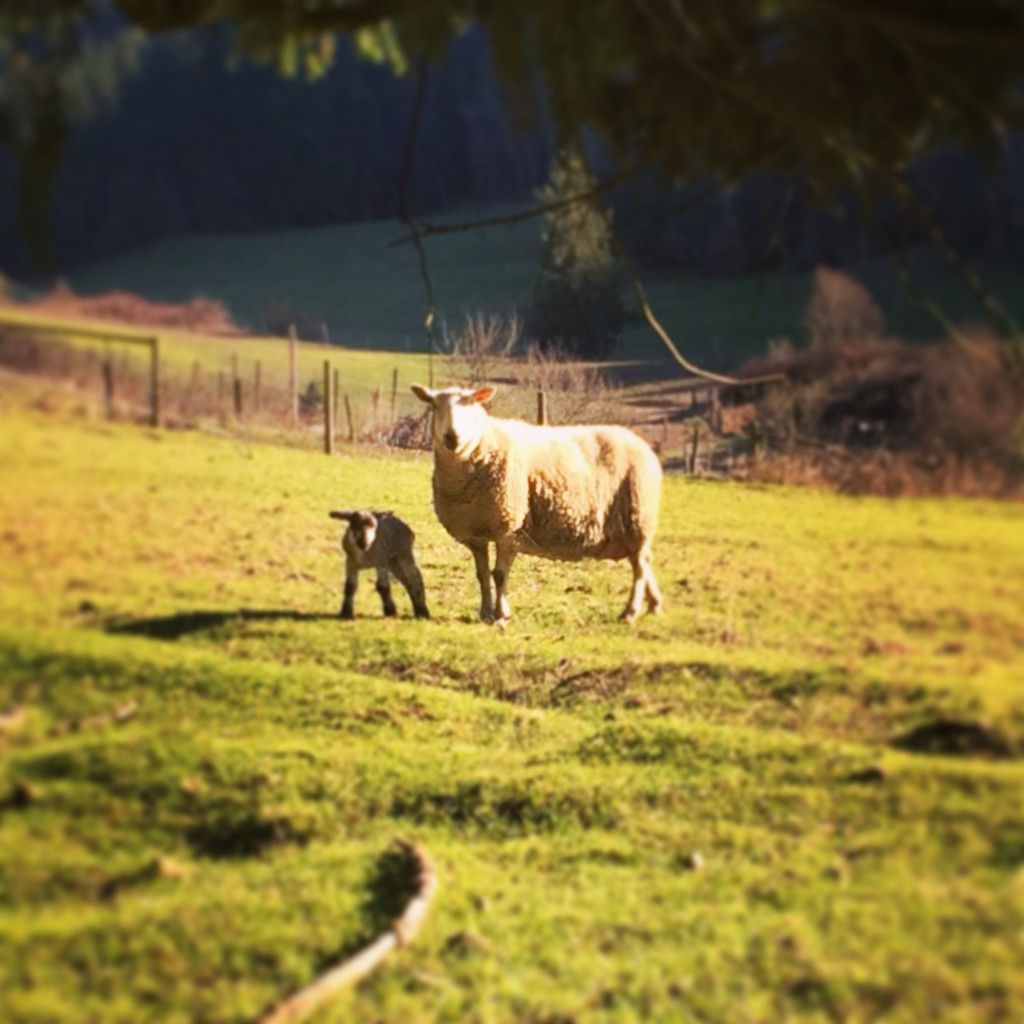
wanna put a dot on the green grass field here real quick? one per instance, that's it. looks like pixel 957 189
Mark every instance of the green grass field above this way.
pixel 371 295
pixel 831 713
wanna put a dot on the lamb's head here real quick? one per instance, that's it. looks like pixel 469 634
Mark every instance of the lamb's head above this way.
pixel 459 415
pixel 362 526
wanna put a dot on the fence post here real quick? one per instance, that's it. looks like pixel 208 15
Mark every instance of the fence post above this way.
pixel 156 415
pixel 238 398
pixel 348 415
pixel 108 386
pixel 715 411
pixel 542 408
pixel 394 393
pixel 694 444
pixel 257 386
pixel 328 411
pixel 293 374
pixel 337 397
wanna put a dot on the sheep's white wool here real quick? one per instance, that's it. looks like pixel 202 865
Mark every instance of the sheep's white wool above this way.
pixel 566 493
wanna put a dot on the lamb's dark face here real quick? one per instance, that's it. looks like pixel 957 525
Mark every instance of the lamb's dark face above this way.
pixel 459 415
pixel 362 528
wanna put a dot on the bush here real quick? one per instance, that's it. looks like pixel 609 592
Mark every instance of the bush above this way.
pixel 969 401
pixel 203 316
pixel 840 310
pixel 486 340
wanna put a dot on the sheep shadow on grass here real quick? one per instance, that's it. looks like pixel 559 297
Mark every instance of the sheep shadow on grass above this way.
pixel 174 627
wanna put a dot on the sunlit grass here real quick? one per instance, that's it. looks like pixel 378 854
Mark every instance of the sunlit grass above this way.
pixel 218 848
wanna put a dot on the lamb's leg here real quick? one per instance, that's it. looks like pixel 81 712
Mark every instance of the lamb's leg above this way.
pixel 483 575
pixel 504 556
pixel 408 573
pixel 351 581
pixel 384 589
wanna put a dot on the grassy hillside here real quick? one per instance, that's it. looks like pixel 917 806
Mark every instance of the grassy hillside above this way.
pixel 830 714
pixel 373 296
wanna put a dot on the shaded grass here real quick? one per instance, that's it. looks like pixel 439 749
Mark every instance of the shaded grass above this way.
pixel 207 855
pixel 372 295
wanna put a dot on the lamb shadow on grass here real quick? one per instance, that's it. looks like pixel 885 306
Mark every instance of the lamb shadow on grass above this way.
pixel 174 627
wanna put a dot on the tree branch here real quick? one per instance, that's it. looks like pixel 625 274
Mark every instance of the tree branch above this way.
pixel 426 230
pixel 357 967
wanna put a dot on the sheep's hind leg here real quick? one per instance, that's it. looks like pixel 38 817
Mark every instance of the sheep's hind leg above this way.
pixel 409 576
pixel 505 555
pixel 652 594
pixel 636 592
pixel 644 586
pixel 483 575
pixel 655 603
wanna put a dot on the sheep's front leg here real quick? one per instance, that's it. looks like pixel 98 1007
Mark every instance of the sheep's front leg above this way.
pixel 483 575
pixel 505 554
pixel 351 581
pixel 384 589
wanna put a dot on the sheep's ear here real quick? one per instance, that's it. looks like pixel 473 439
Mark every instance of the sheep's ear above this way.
pixel 423 394
pixel 483 394
pixel 344 516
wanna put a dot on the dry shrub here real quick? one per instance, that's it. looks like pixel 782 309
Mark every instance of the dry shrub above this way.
pixel 887 473
pixel 840 309
pixel 485 342
pixel 969 401
pixel 576 392
pixel 202 316
pixel 929 419
pixel 411 432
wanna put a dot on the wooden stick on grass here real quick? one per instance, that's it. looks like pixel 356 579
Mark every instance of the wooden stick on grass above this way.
pixel 357 967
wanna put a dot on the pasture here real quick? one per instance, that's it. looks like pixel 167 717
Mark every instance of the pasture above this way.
pixel 371 294
pixel 202 768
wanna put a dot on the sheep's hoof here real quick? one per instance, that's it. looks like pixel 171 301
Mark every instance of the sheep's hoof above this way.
pixel 422 613
pixel 346 613
pixel 628 616
pixel 391 612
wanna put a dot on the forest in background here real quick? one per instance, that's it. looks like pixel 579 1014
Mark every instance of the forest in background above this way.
pixel 203 143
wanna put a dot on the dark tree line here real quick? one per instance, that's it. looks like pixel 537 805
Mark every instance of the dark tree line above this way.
pixel 197 142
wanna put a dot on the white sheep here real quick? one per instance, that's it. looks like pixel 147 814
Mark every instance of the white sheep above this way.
pixel 381 541
pixel 566 493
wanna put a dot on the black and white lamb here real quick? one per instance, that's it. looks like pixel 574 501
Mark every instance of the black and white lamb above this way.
pixel 381 541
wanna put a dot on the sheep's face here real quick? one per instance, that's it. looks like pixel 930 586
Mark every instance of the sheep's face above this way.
pixel 459 415
pixel 362 527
